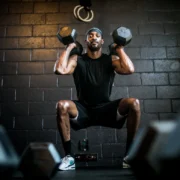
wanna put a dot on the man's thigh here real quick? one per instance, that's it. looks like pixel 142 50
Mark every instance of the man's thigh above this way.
pixel 82 120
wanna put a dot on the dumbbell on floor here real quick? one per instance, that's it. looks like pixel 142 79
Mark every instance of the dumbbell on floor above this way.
pixel 170 155
pixel 39 160
pixel 145 154
pixel 67 35
pixel 9 158
pixel 121 36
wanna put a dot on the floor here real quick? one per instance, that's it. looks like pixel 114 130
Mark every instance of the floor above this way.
pixel 91 174
pixel 96 174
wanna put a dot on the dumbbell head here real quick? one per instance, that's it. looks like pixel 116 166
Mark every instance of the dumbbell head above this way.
pixel 145 153
pixel 39 160
pixel 9 159
pixel 122 36
pixel 67 35
pixel 170 156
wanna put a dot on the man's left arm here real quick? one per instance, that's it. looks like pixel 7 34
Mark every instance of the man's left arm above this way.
pixel 121 62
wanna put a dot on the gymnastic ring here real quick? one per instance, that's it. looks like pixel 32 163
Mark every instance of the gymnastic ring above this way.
pixel 75 10
pixel 85 19
pixel 75 14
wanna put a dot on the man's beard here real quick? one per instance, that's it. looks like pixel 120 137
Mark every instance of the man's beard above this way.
pixel 94 48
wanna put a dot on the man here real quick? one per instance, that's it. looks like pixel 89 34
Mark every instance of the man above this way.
pixel 93 74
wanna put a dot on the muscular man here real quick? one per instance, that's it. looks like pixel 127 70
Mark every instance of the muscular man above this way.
pixel 93 74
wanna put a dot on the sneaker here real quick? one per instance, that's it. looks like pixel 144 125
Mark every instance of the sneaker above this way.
pixel 125 163
pixel 67 163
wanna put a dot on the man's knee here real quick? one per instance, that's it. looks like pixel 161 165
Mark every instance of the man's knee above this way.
pixel 62 106
pixel 134 104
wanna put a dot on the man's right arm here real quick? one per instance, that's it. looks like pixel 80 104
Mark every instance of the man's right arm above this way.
pixel 65 64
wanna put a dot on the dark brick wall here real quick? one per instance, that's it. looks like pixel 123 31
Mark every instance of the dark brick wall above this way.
pixel 29 47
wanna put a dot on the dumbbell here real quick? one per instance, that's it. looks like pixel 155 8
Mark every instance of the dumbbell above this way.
pixel 121 36
pixel 145 154
pixel 170 155
pixel 9 158
pixel 39 160
pixel 67 35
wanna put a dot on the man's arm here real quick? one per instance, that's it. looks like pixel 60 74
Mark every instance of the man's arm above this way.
pixel 122 63
pixel 65 64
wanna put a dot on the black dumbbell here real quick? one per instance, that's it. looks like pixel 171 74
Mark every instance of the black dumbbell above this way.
pixel 146 153
pixel 121 36
pixel 39 160
pixel 170 155
pixel 67 35
pixel 9 158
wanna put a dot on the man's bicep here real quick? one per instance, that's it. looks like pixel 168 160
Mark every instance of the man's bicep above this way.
pixel 72 63
pixel 116 64
pixel 69 69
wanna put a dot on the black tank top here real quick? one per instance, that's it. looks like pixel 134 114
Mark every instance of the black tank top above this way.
pixel 93 79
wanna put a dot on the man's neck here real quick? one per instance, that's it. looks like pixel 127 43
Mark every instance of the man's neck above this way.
pixel 94 54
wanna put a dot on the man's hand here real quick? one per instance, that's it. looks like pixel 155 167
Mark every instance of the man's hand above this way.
pixel 63 65
pixel 115 46
pixel 71 46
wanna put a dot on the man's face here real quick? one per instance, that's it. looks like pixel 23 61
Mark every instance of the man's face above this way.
pixel 94 41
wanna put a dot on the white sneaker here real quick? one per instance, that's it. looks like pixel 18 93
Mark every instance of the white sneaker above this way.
pixel 125 163
pixel 67 163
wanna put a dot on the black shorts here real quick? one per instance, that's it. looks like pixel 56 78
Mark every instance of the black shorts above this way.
pixel 104 115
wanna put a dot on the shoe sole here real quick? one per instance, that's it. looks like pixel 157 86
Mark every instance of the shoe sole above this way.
pixel 126 165
pixel 68 168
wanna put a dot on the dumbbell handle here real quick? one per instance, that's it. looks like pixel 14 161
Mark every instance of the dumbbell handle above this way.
pixel 112 48
pixel 76 50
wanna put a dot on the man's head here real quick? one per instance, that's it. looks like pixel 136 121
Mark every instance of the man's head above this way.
pixel 94 29
pixel 94 39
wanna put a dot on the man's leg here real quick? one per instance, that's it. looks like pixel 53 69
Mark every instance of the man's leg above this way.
pixel 131 108
pixel 65 110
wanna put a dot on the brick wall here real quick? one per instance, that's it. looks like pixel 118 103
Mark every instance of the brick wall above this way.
pixel 29 47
